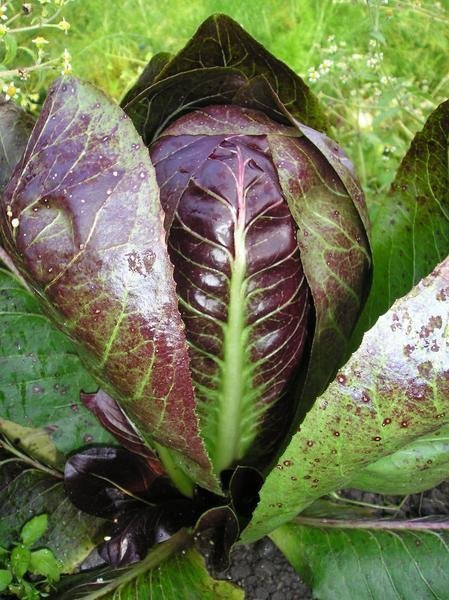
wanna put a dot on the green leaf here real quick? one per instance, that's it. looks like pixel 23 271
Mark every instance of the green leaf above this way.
pixel 5 579
pixel 380 401
pixel 43 562
pixel 41 377
pixel 170 571
pixel 10 45
pixel 15 128
pixel 20 560
pixel 378 559
pixel 410 227
pixel 71 534
pixel 34 529
pixel 416 467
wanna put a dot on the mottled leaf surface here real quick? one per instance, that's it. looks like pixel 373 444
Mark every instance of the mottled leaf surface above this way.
pixel 170 571
pixel 416 467
pixel 411 223
pixel 71 534
pixel 83 220
pixel 333 245
pixel 41 376
pixel 15 129
pixel 242 292
pixel 381 400
pixel 360 560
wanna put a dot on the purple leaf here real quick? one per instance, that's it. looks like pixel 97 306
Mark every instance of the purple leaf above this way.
pixel 112 417
pixel 242 292
pixel 84 225
pixel 101 480
pixel 220 527
pixel 136 530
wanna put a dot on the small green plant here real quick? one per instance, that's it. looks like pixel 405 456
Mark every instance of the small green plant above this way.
pixel 26 53
pixel 27 573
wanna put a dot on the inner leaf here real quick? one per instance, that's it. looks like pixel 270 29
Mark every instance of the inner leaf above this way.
pixel 240 283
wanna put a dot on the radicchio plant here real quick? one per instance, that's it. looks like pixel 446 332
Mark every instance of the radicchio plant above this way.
pixel 205 247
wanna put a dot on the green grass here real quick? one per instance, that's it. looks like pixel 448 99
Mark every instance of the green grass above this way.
pixel 376 105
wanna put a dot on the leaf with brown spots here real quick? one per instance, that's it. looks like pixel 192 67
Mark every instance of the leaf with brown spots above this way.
pixel 385 397
pixel 82 219
pixel 418 466
pixel 410 224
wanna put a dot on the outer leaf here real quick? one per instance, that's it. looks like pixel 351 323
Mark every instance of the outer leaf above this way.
pixel 169 572
pixel 40 380
pixel 220 41
pixel 327 207
pixel 35 443
pixel 153 109
pixel 15 129
pixel 70 534
pixel 148 75
pixel 217 66
pixel 111 287
pixel 381 400
pixel 402 562
pixel 416 467
pixel 410 225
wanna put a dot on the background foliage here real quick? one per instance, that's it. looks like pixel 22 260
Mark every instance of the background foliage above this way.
pixel 380 66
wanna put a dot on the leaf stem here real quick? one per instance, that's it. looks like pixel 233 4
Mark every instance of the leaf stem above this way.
pixel 8 447
pixel 19 71
pixel 184 484
pixel 373 524
pixel 337 496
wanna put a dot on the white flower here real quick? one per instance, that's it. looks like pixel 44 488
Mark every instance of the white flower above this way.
pixel 313 74
pixel 365 120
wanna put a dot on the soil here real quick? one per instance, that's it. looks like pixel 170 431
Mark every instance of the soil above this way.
pixel 265 574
